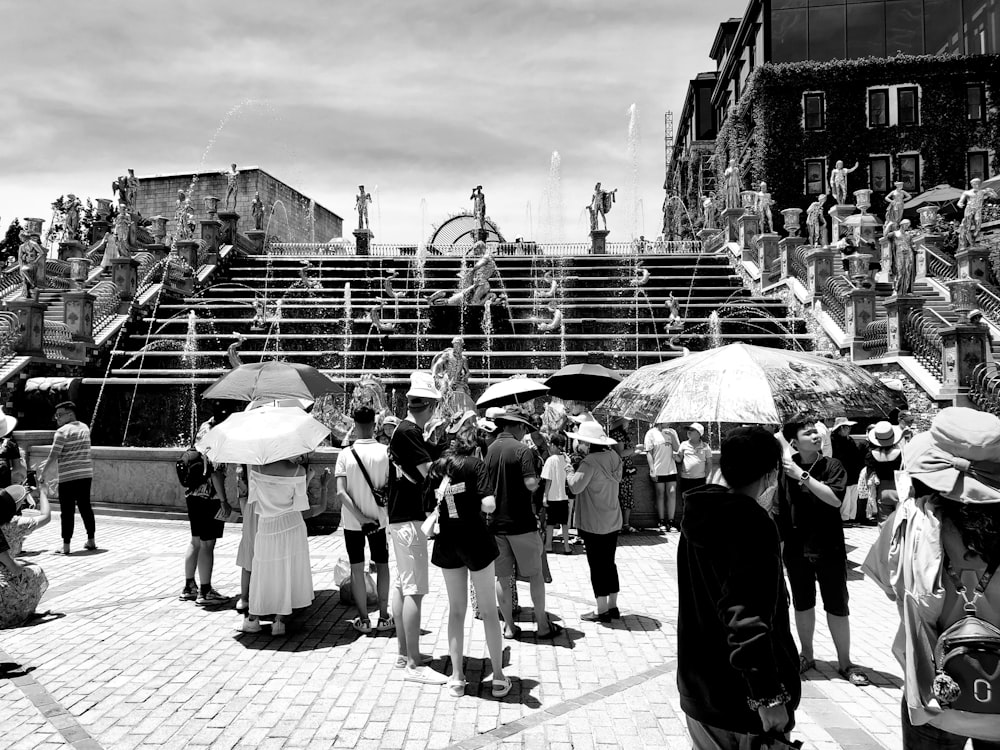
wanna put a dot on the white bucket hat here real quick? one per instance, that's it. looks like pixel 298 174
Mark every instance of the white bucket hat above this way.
pixel 7 424
pixel 591 432
pixel 422 386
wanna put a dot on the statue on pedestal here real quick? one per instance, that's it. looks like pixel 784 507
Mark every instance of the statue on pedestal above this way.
pixel 815 221
pixel 71 218
pixel 600 205
pixel 121 241
pixel 478 199
pixel 895 198
pixel 762 207
pixel 674 318
pixel 838 181
pixel 972 201
pixel 451 376
pixel 31 263
pixel 119 187
pixel 131 190
pixel 903 264
pixel 708 211
pixel 183 218
pixel 473 283
pixel 232 185
pixel 733 187
pixel 361 204
pixel 257 211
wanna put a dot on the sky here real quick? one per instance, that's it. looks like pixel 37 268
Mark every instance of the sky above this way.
pixel 420 101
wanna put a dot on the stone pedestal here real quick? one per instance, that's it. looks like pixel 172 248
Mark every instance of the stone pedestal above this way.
pixel 158 251
pixel 819 266
pixel 98 229
pixel 748 227
pixel 230 226
pixel 78 315
pixel 859 268
pixel 72 249
pixel 79 269
pixel 31 320
pixel 730 222
pixel 898 309
pixel 125 274
pixel 187 250
pixel 973 262
pixel 930 240
pixel 859 312
pixel 159 230
pixel 837 216
pixel 785 247
pixel 211 231
pixel 33 226
pixel 257 237
pixel 767 252
pixel 598 241
pixel 964 347
pixel 362 241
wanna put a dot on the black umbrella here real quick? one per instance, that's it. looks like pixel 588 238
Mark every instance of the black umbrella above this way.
pixel 583 382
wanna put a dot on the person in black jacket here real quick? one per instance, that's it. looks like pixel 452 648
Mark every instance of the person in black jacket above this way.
pixel 852 457
pixel 737 667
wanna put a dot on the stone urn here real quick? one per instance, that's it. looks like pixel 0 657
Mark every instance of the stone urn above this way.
pixel 748 198
pixel 78 270
pixel 963 297
pixel 103 208
pixel 793 219
pixel 863 199
pixel 928 216
pixel 159 229
pixel 33 226
pixel 211 204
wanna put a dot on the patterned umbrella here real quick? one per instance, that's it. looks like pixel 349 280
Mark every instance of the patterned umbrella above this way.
pixel 272 380
pixel 745 384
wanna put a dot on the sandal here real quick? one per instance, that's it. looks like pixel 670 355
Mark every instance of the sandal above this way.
pixel 501 687
pixel 456 688
pixel 515 633
pixel 806 664
pixel 385 624
pixel 855 675
pixel 362 626
pixel 554 630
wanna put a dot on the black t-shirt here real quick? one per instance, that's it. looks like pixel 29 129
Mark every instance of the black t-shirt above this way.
pixel 509 462
pixel 407 450
pixel 808 525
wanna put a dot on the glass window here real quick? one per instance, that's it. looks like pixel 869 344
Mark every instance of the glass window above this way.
pixel 975 98
pixel 780 4
pixel 943 35
pixel 866 30
pixel 904 27
pixel 878 107
pixel 980 27
pixel 909 172
pixel 705 128
pixel 789 29
pixel 815 176
pixel 976 164
pixel 906 100
pixel 827 33
pixel 814 108
pixel 878 174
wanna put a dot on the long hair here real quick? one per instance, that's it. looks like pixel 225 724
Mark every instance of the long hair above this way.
pixel 977 524
pixel 464 444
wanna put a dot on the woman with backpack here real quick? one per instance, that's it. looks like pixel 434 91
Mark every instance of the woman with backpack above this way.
pixel 937 559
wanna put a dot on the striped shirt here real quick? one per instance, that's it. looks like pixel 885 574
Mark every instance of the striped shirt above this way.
pixel 71 445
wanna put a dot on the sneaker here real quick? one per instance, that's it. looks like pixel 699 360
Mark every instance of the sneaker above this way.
pixel 278 627
pixel 663 527
pixel 210 598
pixel 250 626
pixel 189 594
pixel 424 676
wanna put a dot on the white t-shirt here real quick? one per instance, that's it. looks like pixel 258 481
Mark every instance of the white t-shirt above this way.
pixel 376 459
pixel 694 461
pixel 661 446
pixel 554 472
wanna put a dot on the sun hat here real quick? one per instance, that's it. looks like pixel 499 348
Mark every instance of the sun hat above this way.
pixel 422 386
pixel 455 425
pixel 697 427
pixel 7 424
pixel 958 456
pixel 391 419
pixel 841 422
pixel 513 415
pixel 486 425
pixel 591 432
pixel 493 412
pixel 884 435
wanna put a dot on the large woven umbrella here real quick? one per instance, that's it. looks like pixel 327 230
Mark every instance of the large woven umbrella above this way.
pixel 583 382
pixel 939 194
pixel 272 380
pixel 512 391
pixel 745 384
pixel 261 436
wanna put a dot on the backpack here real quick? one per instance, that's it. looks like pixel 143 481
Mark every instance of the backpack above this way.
pixel 191 469
pixel 967 657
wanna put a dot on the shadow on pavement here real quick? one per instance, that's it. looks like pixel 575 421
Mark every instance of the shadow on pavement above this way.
pixel 634 622
pixel 9 670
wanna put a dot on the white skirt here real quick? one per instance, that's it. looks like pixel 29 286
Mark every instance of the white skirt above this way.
pixel 282 577
pixel 244 555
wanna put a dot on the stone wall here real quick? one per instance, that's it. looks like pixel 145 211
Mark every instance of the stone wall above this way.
pixel 291 221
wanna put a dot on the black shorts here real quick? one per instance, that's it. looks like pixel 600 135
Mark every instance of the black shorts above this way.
pixel 557 513
pixel 831 575
pixel 377 544
pixel 201 515
pixel 664 478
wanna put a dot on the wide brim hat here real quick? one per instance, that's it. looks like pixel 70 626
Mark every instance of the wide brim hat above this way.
pixel 513 414
pixel 393 420
pixel 958 456
pixel 842 422
pixel 7 424
pixel 455 426
pixel 486 425
pixel 591 432
pixel 493 412
pixel 884 434
pixel 422 386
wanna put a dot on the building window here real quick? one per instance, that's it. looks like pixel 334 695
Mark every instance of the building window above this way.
pixel 975 98
pixel 815 176
pixel 976 162
pixel 906 99
pixel 909 172
pixel 879 173
pixel 814 107
pixel 878 108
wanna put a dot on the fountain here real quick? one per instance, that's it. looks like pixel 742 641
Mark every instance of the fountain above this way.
pixel 552 226
pixel 714 330
pixel 632 148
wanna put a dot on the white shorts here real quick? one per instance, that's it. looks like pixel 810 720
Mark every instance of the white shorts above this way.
pixel 409 545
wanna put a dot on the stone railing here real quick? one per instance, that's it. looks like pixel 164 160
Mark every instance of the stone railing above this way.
pixel 989 303
pixel 985 388
pixel 876 338
pixel 920 333
pixel 940 265
pixel 107 299
pixel 10 333
pixel 797 264
pixel 56 339
pixel 714 242
pixel 10 281
pixel 566 249
pixel 835 291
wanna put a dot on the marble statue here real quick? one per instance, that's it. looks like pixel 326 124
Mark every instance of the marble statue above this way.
pixel 390 277
pixel 305 281
pixel 708 212
pixel 673 312
pixel 642 276
pixel 895 198
pixel 31 264
pixel 120 188
pixel 131 190
pixel 361 202
pixel 903 264
pixel 546 292
pixel 815 221
pixel 548 326
pixel 473 283
pixel 71 218
pixel 600 205
pixel 233 352
pixel 121 240
pixel 733 189
pixel 478 199
pixel 838 181
pixel 183 218
pixel 450 369
pixel 762 207
pixel 972 201
pixel 375 316
pixel 257 211
pixel 232 185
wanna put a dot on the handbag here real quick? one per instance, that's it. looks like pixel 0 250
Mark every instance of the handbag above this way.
pixel 381 495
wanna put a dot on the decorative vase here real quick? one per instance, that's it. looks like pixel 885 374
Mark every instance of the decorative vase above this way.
pixel 103 208
pixel 863 199
pixel 928 216
pixel 793 218
pixel 211 204
pixel 963 297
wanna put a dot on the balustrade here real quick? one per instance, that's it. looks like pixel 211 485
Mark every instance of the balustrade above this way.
pixel 985 388
pixel 56 340
pixel 107 300
pixel 876 337
pixel 835 299
pixel 920 333
pixel 10 333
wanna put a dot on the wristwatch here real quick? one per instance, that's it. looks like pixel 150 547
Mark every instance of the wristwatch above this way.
pixel 805 476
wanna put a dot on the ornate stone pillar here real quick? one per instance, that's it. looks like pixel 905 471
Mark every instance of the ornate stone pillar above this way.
pixel 785 247
pixel 819 266
pixel 79 268
pixel 31 323
pixel 973 262
pixel 364 237
pixel 125 274
pixel 898 309
pixel 211 232
pixel 837 216
pixel 748 227
pixel 159 230
pixel 964 347
pixel 859 312
pixel 257 237
pixel 230 226
pixel 78 314
pixel 767 252
pixel 730 219
pixel 187 250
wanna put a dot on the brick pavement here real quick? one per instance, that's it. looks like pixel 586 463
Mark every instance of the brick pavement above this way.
pixel 128 665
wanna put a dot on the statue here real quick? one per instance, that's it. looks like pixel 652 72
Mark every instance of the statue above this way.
pixel 762 207
pixel 600 205
pixel 183 218
pixel 478 199
pixel 375 316
pixel 733 189
pixel 708 213
pixel 548 326
pixel 972 219
pixel 121 240
pixel 474 283
pixel 390 276
pixel 131 190
pixel 903 265
pixel 451 376
pixel 553 287
pixel 896 198
pixel 257 211
pixel 233 352
pixel 361 204
pixel 31 263
pixel 120 188
pixel 838 181
pixel 371 393
pixel 232 185
pixel 642 277
pixel 305 281
pixel 71 219
pixel 673 312
pixel 815 221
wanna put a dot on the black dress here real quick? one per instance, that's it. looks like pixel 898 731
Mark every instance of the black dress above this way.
pixel 464 540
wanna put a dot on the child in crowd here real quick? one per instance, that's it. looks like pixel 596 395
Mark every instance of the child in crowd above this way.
pixel 555 498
